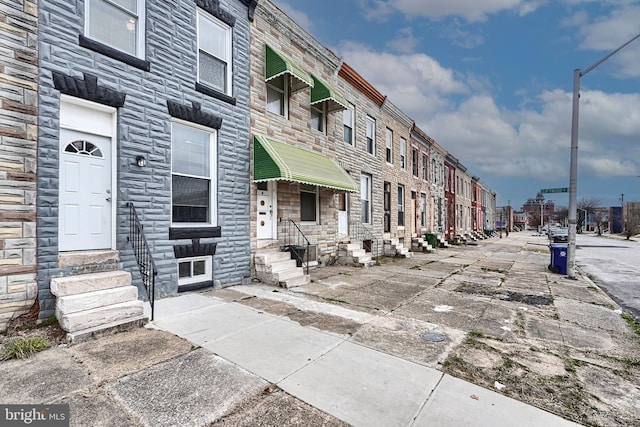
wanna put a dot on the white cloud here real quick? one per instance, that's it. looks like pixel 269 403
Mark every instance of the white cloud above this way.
pixel 470 10
pixel 404 42
pixel 460 113
pixel 606 33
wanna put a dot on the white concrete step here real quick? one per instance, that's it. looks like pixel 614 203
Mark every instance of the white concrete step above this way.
pixel 91 300
pixel 287 274
pixel 277 266
pixel 96 317
pixel 271 256
pixel 349 246
pixel 296 281
pixel 73 285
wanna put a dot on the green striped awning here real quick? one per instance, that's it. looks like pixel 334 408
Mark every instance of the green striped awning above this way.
pixel 276 161
pixel 276 64
pixel 322 92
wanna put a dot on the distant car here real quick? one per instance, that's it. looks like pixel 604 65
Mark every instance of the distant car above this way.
pixel 559 235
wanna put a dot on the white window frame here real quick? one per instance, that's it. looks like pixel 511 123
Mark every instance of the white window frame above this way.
pixel 389 146
pixel 228 89
pixel 311 189
pixel 423 209
pixel 349 123
pixel 365 181
pixel 370 126
pixel 284 95
pixel 138 14
pixel 403 153
pixel 213 189
pixel 401 205
pixel 206 277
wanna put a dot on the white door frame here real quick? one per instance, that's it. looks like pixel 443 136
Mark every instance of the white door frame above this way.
pixel 343 215
pixel 272 191
pixel 70 109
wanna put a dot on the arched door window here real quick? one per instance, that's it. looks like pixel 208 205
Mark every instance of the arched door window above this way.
pixel 83 147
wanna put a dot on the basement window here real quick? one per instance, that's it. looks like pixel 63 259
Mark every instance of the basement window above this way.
pixel 194 270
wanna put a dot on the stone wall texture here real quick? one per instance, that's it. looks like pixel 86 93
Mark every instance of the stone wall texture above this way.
pixel 18 151
pixel 144 128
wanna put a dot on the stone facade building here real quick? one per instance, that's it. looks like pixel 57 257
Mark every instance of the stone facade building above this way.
pixel 144 108
pixel 18 151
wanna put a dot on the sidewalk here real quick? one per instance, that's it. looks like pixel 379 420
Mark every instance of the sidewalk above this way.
pixel 459 337
pixel 349 381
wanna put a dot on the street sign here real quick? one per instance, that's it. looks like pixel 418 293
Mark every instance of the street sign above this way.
pixel 555 190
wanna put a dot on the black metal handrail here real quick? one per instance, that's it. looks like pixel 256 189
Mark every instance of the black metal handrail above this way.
pixel 294 239
pixel 359 231
pixel 141 250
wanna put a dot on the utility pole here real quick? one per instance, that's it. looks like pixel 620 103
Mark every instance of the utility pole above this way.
pixel 573 167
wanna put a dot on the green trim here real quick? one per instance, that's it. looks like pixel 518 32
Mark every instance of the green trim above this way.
pixel 276 161
pixel 276 64
pixel 322 92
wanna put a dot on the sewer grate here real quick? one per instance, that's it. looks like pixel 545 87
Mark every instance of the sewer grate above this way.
pixel 432 337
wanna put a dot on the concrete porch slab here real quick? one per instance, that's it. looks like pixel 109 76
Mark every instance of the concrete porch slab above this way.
pixel 175 306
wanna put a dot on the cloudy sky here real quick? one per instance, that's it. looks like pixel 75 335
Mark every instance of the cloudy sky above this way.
pixel 491 81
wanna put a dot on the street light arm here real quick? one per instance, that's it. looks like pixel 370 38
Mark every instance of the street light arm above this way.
pixel 613 52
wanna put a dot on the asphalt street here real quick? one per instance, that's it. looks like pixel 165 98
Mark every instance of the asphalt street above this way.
pixel 614 265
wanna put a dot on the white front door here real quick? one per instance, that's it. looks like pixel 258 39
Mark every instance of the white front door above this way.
pixel 266 207
pixel 343 214
pixel 84 217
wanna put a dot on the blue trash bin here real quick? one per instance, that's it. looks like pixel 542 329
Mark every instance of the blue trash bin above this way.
pixel 558 258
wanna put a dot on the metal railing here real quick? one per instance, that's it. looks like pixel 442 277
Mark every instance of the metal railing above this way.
pixel 296 243
pixel 359 231
pixel 147 267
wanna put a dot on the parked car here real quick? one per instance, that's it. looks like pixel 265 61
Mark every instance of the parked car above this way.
pixel 559 235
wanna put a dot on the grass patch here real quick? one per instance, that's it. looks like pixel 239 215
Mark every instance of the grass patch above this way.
pixel 49 321
pixel 632 322
pixel 25 347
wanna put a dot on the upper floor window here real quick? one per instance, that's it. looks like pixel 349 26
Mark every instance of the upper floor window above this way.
pixel 425 162
pixel 434 177
pixel 414 161
pixel 403 153
pixel 116 23
pixel 318 116
pixel 348 119
pixel 389 150
pixel 277 95
pixel 371 135
pixel 214 53
pixel 193 175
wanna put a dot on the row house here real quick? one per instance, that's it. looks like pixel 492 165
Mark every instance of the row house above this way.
pixel 477 217
pixel 143 156
pixel 183 146
pixel 421 146
pixel 18 158
pixel 396 174
pixel 300 192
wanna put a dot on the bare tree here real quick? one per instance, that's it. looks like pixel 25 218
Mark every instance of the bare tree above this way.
pixel 632 224
pixel 588 206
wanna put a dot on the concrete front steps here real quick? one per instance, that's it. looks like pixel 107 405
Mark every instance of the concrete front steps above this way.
pixel 93 301
pixel 353 254
pixel 393 247
pixel 442 242
pixel 275 267
pixel 418 244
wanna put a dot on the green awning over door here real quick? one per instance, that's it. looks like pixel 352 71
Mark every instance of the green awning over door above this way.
pixel 322 92
pixel 277 64
pixel 276 161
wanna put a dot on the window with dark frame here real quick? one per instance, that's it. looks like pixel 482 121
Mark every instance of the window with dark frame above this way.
pixel 414 161
pixel 277 95
pixel 308 203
